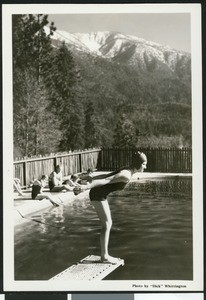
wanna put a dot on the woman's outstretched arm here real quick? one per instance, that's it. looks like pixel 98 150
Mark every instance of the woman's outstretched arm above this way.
pixel 121 175
pixel 103 176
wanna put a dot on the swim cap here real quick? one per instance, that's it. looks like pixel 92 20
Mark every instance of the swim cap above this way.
pixel 138 158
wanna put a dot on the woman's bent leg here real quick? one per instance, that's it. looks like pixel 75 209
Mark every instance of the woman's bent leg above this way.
pixel 44 196
pixel 61 188
pixel 104 214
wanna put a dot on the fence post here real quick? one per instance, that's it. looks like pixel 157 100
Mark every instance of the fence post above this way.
pixel 24 173
pixel 99 160
pixel 80 162
pixel 55 162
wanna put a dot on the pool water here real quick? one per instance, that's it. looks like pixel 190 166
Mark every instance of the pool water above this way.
pixel 152 232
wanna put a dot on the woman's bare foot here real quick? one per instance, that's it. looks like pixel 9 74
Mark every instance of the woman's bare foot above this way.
pixel 110 259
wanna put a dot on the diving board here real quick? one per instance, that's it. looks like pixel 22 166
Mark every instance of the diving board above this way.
pixel 89 268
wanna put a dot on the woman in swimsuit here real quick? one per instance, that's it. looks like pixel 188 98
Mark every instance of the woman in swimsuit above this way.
pixel 37 190
pixel 101 187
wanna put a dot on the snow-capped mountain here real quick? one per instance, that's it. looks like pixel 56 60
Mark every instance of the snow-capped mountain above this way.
pixel 118 66
pixel 123 48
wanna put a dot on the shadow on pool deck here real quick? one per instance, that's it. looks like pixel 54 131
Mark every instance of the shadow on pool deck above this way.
pixel 25 206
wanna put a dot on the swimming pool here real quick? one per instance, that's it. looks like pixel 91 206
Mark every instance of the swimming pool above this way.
pixel 152 232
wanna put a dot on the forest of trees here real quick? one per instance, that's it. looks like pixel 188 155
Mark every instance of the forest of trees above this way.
pixel 59 106
pixel 48 108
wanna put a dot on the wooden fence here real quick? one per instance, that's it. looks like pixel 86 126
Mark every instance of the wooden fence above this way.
pixel 29 169
pixel 106 159
pixel 170 160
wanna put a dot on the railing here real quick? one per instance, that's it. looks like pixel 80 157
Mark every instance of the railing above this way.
pixel 106 159
pixel 170 160
pixel 29 169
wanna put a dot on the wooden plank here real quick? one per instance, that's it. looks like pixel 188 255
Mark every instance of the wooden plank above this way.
pixel 89 268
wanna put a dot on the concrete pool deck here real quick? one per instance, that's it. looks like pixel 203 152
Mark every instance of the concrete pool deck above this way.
pixel 25 206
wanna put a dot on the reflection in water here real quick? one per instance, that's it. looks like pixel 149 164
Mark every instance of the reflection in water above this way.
pixel 152 231
pixel 57 214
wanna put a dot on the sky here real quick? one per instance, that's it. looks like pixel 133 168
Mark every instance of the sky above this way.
pixel 172 29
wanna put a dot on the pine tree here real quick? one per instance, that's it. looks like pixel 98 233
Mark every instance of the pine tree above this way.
pixel 92 129
pixel 35 131
pixel 30 41
pixel 126 134
pixel 72 127
pixel 65 98
pixel 30 97
pixel 60 77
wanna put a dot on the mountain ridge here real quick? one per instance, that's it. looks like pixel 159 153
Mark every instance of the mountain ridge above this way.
pixel 121 73
pixel 126 49
pixel 100 37
pixel 81 36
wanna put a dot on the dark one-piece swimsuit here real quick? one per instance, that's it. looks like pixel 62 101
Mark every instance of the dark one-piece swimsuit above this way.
pixel 35 191
pixel 100 193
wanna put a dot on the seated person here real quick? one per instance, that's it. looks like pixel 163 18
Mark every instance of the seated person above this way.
pixel 72 181
pixel 17 186
pixel 37 190
pixel 75 180
pixel 55 181
pixel 81 184
pixel 77 183
pixel 86 177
